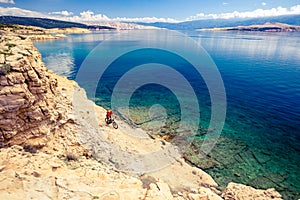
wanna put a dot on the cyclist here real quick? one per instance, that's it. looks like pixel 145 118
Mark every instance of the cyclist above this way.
pixel 109 115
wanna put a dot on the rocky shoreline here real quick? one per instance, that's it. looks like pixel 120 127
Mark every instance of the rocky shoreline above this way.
pixel 56 145
pixel 267 27
pixel 37 33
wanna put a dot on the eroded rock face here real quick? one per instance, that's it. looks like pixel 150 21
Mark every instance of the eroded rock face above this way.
pixel 29 109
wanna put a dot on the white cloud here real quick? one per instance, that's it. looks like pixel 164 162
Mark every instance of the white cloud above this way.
pixel 89 16
pixel 264 3
pixel 197 16
pixel 295 9
pixel 63 13
pixel 7 1
pixel 250 14
pixel 85 16
pixel 224 3
pixel 20 12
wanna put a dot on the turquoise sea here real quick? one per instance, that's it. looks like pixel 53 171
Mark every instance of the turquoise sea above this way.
pixel 260 141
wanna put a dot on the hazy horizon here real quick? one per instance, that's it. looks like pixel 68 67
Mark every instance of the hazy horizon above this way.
pixel 147 11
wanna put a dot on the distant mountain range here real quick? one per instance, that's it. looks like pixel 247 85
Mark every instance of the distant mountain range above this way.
pixel 46 23
pixel 51 23
pixel 189 25
pixel 221 23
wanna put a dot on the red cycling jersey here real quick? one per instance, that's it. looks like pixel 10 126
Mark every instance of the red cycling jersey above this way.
pixel 109 113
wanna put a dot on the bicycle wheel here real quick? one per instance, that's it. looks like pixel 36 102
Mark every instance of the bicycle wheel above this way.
pixel 115 125
pixel 108 121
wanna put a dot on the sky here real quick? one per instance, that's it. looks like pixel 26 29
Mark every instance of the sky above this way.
pixel 147 10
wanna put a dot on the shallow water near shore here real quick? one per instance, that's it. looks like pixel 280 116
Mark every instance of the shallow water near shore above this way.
pixel 260 142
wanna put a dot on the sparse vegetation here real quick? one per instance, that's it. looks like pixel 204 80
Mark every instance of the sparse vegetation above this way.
pixel 22 37
pixel 3 26
pixel 71 157
pixel 74 167
pixel 5 53
pixel 4 69
pixel 30 149
pixel 10 45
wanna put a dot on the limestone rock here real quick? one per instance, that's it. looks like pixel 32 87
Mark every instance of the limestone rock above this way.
pixel 159 190
pixel 209 193
pixel 28 95
pixel 242 192
pixel 197 196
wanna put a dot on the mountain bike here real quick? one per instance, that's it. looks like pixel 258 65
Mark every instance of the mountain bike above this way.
pixel 111 121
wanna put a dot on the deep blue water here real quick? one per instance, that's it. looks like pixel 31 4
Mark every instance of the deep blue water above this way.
pixel 260 142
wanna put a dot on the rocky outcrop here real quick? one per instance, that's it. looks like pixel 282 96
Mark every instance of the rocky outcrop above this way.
pixel 267 27
pixel 30 109
pixel 39 34
pixel 67 30
pixel 239 191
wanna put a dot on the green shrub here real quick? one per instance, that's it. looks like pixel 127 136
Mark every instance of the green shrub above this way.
pixel 71 157
pixel 5 69
pixel 2 26
pixel 10 45
pixel 22 37
pixel 6 53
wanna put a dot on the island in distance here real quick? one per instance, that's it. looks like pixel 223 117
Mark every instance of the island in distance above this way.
pixel 267 27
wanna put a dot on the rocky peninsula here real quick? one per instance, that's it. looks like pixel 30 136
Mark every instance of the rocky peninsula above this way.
pixel 54 143
pixel 267 27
